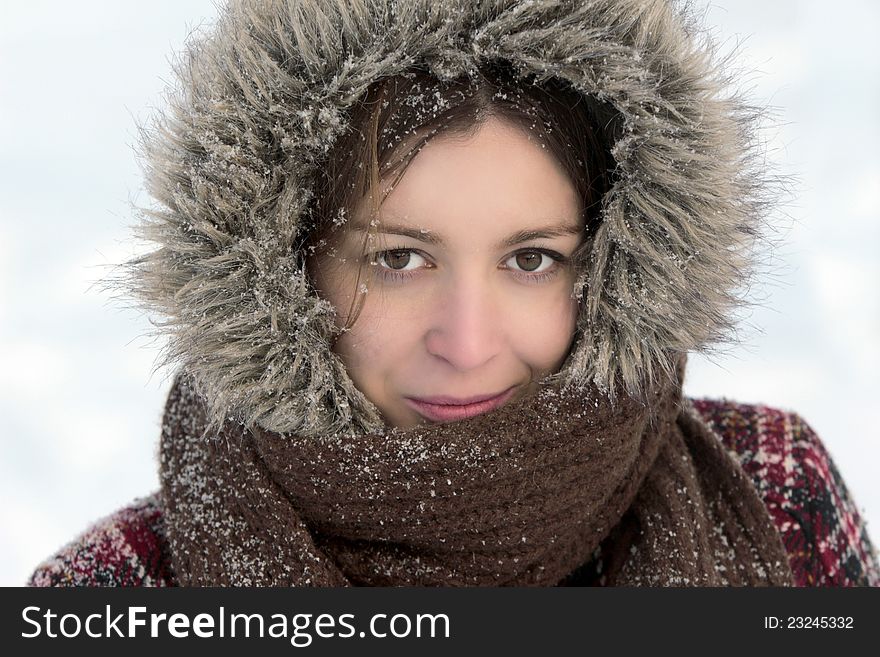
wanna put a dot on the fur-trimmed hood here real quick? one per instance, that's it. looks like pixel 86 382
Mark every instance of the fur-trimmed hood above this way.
pixel 232 163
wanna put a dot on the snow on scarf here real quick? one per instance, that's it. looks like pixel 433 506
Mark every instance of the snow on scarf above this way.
pixel 519 496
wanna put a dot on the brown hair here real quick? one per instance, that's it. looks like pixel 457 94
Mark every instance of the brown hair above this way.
pixel 398 116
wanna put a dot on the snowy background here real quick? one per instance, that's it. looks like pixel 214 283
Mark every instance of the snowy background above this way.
pixel 80 408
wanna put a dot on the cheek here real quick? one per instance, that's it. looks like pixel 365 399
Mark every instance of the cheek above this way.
pixel 375 347
pixel 335 282
pixel 543 330
pixel 359 358
pixel 331 283
pixel 361 346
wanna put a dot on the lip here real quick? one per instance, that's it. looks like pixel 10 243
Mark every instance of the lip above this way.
pixel 444 408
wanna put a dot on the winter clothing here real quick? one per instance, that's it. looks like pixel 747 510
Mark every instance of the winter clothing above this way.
pixel 276 469
pixel 824 536
pixel 520 496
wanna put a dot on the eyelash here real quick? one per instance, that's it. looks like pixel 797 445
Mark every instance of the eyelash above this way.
pixel 396 276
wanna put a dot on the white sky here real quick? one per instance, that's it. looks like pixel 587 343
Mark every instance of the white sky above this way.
pixel 81 410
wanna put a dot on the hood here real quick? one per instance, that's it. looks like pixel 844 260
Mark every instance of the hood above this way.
pixel 232 160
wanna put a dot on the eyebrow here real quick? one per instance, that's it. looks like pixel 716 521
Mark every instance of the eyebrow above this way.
pixel 430 237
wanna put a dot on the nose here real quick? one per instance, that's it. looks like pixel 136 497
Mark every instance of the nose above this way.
pixel 466 328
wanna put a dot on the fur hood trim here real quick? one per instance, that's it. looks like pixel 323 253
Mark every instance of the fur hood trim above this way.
pixel 232 160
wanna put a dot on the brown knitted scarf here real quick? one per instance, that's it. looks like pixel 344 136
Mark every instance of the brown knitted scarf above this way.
pixel 522 496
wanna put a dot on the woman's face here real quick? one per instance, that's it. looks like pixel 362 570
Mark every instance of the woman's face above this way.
pixel 469 293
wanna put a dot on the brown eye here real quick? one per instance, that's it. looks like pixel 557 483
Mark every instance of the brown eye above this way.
pixel 396 259
pixel 540 265
pixel 529 260
pixel 399 259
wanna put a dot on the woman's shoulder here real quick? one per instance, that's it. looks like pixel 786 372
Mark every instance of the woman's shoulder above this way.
pixel 823 532
pixel 126 548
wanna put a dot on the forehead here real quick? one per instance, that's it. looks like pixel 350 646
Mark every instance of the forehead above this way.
pixel 496 181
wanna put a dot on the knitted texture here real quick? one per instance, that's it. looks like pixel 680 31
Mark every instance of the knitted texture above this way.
pixel 823 533
pixel 517 496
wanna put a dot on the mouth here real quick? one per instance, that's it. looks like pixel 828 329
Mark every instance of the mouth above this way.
pixel 445 409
